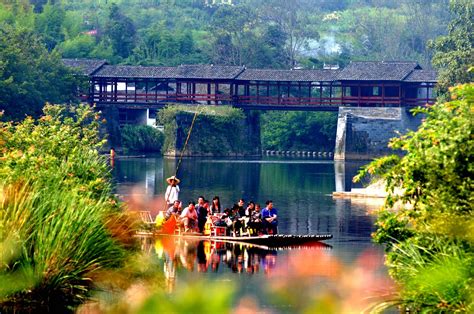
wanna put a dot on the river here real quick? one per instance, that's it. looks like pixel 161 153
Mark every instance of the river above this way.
pixel 342 271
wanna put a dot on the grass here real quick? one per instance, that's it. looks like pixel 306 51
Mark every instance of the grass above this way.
pixel 436 279
pixel 59 224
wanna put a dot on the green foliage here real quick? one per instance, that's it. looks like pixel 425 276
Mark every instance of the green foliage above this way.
pixel 58 221
pixel 141 138
pixel 454 53
pixel 78 47
pixel 436 277
pixel 49 24
pixel 218 298
pixel 159 46
pixel 29 75
pixel 427 222
pixel 298 130
pixel 120 30
pixel 219 131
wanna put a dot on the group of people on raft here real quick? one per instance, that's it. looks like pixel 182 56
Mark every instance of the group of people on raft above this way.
pixel 242 218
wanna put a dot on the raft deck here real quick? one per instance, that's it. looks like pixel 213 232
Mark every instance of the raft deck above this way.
pixel 276 240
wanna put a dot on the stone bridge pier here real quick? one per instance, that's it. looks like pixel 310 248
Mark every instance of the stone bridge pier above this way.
pixel 364 133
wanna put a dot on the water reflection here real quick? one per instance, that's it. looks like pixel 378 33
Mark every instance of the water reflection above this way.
pixel 297 279
pixel 202 256
pixel 301 190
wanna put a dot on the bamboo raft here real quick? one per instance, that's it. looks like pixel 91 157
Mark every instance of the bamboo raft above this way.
pixel 271 240
pixel 276 240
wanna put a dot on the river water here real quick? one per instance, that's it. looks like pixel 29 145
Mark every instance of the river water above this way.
pixel 342 272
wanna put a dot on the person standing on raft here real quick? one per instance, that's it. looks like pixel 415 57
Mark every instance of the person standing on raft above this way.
pixel 172 191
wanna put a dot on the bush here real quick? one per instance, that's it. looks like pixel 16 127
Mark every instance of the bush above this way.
pixel 430 242
pixel 58 222
pixel 218 131
pixel 142 138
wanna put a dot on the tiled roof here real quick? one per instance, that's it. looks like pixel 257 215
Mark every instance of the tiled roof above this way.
pixel 422 76
pixel 288 75
pixel 355 71
pixel 85 66
pixel 132 71
pixel 209 71
pixel 181 72
pixel 377 71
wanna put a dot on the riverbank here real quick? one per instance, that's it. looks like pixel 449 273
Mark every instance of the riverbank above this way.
pixel 376 190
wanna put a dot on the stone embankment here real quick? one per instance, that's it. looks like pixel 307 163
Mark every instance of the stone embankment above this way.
pixel 297 153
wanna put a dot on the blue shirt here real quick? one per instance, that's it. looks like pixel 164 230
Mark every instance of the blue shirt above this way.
pixel 266 213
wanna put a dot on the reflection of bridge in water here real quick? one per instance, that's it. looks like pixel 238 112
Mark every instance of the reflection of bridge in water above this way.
pixel 360 84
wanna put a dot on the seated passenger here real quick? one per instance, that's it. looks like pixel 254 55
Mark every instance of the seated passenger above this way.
pixel 189 217
pixel 203 212
pixel 255 223
pixel 235 219
pixel 215 205
pixel 250 209
pixel 173 210
pixel 270 218
pixel 240 207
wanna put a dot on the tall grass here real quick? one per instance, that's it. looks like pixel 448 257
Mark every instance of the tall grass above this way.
pixel 59 224
pixel 436 278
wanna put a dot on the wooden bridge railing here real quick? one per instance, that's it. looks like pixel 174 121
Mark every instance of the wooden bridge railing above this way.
pixel 255 100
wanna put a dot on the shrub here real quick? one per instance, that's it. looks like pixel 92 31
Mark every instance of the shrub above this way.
pixel 430 243
pixel 218 131
pixel 142 138
pixel 58 221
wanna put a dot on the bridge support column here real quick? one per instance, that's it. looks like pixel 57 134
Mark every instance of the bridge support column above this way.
pixel 364 133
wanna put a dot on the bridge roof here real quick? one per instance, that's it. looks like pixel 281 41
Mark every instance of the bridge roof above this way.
pixel 402 71
pixel 377 71
pixel 85 66
pixel 213 72
pixel 288 75
pixel 422 76
pixel 132 71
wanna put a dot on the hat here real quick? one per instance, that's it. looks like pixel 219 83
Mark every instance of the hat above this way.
pixel 172 178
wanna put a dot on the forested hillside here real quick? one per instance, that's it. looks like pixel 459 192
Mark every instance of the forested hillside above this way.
pixel 254 33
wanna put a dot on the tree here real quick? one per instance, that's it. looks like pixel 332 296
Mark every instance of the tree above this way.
pixel 120 30
pixel 454 53
pixel 299 130
pixel 49 24
pixel 294 22
pixel 427 220
pixel 233 28
pixel 30 75
pixel 78 47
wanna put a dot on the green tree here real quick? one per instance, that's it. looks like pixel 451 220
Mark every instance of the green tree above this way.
pixel 30 75
pixel 49 25
pixel 78 47
pixel 17 13
pixel 232 27
pixel 295 25
pixel 454 53
pixel 427 220
pixel 299 130
pixel 120 30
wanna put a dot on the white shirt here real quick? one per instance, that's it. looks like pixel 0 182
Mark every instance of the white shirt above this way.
pixel 172 194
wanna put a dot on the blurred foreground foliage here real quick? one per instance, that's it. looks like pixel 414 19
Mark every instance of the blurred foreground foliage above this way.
pixel 427 221
pixel 59 223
